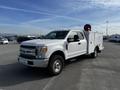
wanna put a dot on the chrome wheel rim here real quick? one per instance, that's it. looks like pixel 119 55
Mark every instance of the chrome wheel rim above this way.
pixel 57 66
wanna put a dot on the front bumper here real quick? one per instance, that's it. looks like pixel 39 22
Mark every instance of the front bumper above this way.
pixel 34 62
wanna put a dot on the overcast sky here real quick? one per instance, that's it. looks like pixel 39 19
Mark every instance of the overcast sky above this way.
pixel 42 16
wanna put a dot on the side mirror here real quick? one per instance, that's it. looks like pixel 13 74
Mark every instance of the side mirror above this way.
pixel 76 38
pixel 69 40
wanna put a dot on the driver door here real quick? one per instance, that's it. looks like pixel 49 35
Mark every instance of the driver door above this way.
pixel 73 46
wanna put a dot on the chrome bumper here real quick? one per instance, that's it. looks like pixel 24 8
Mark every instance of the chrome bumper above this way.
pixel 34 62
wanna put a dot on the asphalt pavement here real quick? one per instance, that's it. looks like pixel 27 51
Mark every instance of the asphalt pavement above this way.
pixel 81 73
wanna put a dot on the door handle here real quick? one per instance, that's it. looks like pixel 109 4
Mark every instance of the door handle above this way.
pixel 79 43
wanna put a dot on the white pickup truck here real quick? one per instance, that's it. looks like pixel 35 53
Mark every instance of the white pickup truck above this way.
pixel 58 46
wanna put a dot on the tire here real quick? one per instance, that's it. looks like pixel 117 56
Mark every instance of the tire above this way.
pixel 95 53
pixel 56 64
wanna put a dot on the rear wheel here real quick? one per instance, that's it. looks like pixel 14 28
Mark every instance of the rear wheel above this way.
pixel 95 53
pixel 56 64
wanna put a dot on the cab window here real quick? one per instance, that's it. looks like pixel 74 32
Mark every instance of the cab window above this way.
pixel 81 36
pixel 71 36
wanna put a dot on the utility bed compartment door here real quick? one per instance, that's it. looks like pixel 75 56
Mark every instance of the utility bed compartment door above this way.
pixel 93 39
pixel 91 42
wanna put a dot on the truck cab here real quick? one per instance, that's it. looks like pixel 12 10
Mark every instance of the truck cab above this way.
pixel 58 46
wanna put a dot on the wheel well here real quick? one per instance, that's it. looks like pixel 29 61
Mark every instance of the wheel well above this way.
pixel 98 50
pixel 58 53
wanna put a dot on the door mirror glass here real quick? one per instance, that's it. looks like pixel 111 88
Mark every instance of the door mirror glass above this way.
pixel 70 39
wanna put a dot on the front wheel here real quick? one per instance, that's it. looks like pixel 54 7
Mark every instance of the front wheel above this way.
pixel 94 54
pixel 56 64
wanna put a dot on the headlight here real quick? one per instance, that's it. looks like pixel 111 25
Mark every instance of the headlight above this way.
pixel 42 49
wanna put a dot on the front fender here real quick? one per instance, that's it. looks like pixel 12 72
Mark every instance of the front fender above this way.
pixel 55 48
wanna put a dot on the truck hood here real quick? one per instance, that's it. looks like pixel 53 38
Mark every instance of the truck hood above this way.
pixel 42 42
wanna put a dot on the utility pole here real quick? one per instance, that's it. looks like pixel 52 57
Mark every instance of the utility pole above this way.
pixel 107 28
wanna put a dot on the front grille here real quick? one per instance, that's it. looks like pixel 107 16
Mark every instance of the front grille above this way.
pixel 27 56
pixel 28 52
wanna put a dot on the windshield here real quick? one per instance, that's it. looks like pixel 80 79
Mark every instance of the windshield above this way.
pixel 56 35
